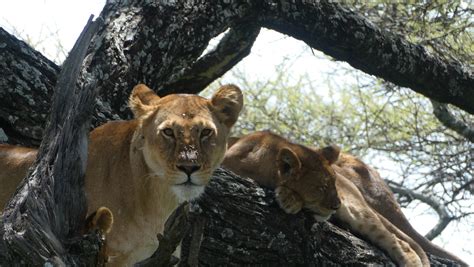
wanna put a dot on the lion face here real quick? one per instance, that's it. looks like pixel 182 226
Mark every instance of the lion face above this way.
pixel 308 174
pixel 185 136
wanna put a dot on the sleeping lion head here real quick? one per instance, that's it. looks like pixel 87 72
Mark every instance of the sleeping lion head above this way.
pixel 184 136
pixel 307 174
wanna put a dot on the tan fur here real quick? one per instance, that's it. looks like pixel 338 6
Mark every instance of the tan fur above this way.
pixel 289 168
pixel 14 164
pixel 243 158
pixel 102 220
pixel 141 169
pixel 379 196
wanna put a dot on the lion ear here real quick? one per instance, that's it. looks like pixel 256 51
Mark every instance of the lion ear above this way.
pixel 331 153
pixel 228 102
pixel 142 100
pixel 102 219
pixel 289 164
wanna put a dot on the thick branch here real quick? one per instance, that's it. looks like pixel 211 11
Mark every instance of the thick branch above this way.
pixel 347 36
pixel 159 43
pixel 27 79
pixel 245 226
pixel 233 47
pixel 443 213
pixel 48 209
pixel 443 114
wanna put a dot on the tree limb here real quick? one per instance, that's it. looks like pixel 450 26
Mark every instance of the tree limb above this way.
pixel 153 42
pixel 27 80
pixel 48 210
pixel 443 114
pixel 233 47
pixel 243 225
pixel 345 35
pixel 443 213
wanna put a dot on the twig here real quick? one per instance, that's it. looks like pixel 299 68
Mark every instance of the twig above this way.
pixel 176 226
pixel 444 215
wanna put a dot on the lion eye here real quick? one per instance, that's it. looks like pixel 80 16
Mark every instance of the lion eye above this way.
pixel 206 133
pixel 168 132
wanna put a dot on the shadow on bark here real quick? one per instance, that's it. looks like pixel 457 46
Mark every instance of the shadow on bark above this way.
pixel 237 223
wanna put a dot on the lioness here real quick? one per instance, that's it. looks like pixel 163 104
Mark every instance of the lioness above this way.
pixel 379 197
pixel 266 158
pixel 141 169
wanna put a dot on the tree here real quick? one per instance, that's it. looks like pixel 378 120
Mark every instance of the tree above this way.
pixel 160 44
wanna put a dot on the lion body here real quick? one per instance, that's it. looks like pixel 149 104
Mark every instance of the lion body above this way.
pixel 141 169
pixel 379 197
pixel 354 210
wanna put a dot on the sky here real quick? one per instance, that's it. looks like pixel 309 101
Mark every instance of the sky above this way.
pixel 44 22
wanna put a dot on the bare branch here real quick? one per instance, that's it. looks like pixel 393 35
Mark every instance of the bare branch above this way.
pixel 442 113
pixel 233 47
pixel 444 215
pixel 176 226
pixel 345 35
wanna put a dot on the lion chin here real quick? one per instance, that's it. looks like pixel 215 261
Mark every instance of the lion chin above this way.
pixel 187 191
pixel 322 218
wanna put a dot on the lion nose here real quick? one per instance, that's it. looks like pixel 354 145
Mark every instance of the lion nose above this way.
pixel 188 169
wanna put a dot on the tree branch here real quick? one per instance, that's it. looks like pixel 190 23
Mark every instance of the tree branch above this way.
pixel 48 210
pixel 233 47
pixel 243 225
pixel 443 114
pixel 345 35
pixel 443 213
pixel 154 42
pixel 27 80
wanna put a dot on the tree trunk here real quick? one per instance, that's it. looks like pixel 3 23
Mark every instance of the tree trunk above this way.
pixel 160 43
pixel 42 222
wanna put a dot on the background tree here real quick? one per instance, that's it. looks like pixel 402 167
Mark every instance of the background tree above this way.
pixel 161 44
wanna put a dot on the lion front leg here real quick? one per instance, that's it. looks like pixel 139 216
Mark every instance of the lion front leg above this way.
pixel 367 223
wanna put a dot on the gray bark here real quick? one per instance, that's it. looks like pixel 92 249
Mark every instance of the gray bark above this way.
pixel 160 43
pixel 442 113
pixel 42 222
pixel 238 223
pixel 27 80
pixel 347 36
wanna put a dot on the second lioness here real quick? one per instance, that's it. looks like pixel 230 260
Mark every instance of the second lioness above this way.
pixel 277 163
pixel 141 169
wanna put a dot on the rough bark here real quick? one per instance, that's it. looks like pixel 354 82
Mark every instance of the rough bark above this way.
pixel 347 36
pixel 160 44
pixel 442 113
pixel 43 221
pixel 243 226
pixel 27 80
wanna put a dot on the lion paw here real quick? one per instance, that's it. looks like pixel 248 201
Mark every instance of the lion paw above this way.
pixel 288 200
